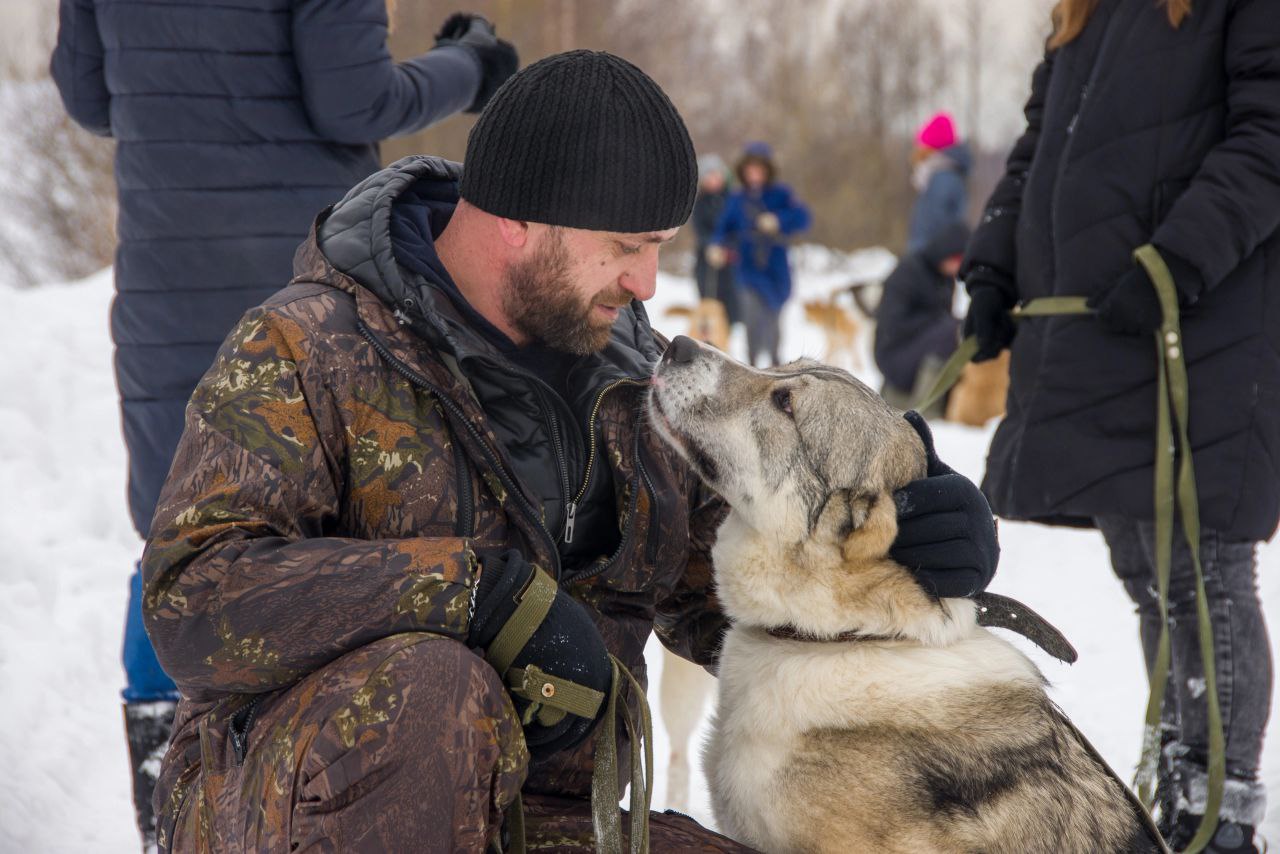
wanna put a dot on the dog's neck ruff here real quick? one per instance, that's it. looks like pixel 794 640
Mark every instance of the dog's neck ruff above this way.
pixel 792 633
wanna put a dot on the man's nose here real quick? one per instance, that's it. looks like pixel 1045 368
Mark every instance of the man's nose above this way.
pixel 641 281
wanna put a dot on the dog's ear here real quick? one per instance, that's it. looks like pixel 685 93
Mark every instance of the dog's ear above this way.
pixel 842 515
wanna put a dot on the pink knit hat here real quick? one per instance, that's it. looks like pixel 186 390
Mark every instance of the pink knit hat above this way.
pixel 937 133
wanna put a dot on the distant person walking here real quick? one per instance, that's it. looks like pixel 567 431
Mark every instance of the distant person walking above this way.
pixel 235 125
pixel 759 220
pixel 940 175
pixel 1151 122
pixel 714 280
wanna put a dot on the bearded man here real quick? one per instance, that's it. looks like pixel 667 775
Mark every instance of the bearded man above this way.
pixel 441 409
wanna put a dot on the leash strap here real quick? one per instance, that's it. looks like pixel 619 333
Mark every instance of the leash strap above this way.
pixel 1174 494
pixel 954 367
pixel 551 698
pixel 606 817
pixel 1173 450
pixel 534 605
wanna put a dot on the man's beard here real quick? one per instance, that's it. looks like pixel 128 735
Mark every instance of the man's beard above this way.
pixel 540 301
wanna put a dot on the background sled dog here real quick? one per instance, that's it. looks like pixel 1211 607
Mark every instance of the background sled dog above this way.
pixel 911 728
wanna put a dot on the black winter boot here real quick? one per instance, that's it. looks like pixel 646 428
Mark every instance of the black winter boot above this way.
pixel 1229 838
pixel 147 726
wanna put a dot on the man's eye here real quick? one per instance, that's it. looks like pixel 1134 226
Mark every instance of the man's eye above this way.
pixel 629 250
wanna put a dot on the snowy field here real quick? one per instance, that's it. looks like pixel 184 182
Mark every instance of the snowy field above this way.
pixel 68 549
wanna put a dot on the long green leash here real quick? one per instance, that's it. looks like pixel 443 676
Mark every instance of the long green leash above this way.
pixel 551 698
pixel 1173 451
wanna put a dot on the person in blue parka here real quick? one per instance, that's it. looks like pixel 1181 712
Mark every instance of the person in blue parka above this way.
pixel 940 166
pixel 759 220
pixel 235 125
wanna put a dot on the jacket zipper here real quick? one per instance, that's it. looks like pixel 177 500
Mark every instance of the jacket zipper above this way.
pixel 571 509
pixel 495 463
pixel 592 572
pixel 651 548
pixel 557 444
pixel 240 734
pixel 466 524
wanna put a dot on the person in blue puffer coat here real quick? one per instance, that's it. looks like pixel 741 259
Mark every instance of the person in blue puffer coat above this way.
pixel 940 166
pixel 235 125
pixel 760 219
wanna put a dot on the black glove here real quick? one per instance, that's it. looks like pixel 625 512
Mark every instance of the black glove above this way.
pixel 498 58
pixel 567 644
pixel 989 319
pixel 946 534
pixel 1130 306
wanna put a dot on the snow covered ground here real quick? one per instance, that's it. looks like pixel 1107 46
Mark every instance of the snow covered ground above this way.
pixel 68 548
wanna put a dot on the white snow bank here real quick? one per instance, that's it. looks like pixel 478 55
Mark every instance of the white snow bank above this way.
pixel 68 550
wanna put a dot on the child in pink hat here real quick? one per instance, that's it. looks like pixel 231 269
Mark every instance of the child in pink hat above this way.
pixel 940 174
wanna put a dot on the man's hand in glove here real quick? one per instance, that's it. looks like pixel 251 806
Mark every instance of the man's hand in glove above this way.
pixel 566 644
pixel 946 534
pixel 498 58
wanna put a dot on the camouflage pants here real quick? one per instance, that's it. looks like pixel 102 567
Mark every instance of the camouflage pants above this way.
pixel 407 744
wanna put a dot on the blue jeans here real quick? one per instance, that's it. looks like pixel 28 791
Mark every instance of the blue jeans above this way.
pixel 1242 654
pixel 145 679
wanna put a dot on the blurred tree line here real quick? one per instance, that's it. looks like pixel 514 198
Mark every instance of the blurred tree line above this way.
pixel 837 89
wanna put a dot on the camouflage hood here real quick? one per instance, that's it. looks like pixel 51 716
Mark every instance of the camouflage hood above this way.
pixel 355 238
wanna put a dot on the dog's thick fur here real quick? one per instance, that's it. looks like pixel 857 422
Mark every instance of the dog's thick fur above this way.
pixel 940 740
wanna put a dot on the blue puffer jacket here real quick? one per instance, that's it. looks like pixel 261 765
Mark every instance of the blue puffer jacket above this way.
pixel 944 199
pixel 236 124
pixel 762 258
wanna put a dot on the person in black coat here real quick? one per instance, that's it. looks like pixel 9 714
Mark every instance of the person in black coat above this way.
pixel 235 125
pixel 715 281
pixel 1150 123
pixel 914 324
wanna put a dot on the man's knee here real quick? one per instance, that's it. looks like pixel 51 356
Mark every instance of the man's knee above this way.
pixel 420 727
pixel 434 681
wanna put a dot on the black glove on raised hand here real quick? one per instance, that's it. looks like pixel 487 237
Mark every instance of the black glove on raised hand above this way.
pixel 946 533
pixel 566 644
pixel 498 58
pixel 989 319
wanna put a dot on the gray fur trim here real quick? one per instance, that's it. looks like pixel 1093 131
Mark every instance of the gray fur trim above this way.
pixel 1242 802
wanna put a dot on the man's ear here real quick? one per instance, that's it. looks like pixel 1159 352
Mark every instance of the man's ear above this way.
pixel 515 232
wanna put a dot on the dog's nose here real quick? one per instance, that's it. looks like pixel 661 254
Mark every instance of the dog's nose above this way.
pixel 682 350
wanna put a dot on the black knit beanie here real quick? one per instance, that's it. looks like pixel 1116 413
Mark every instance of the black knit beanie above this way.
pixel 582 139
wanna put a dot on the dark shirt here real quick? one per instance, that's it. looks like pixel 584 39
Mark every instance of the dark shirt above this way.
pixel 416 219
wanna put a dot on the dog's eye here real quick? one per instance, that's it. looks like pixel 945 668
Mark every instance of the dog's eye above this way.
pixel 782 400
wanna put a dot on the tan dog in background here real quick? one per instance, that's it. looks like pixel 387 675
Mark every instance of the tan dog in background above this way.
pixel 980 394
pixel 708 322
pixel 842 329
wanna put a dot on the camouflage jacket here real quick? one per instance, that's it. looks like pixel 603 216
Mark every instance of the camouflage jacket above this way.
pixel 337 476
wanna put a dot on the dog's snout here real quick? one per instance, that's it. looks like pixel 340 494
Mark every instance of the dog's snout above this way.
pixel 682 350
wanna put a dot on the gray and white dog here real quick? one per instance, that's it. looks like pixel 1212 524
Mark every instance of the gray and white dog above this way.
pixel 856 712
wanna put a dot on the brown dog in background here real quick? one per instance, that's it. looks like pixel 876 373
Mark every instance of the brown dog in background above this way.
pixel 841 327
pixel 708 322
pixel 980 394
